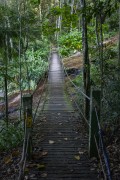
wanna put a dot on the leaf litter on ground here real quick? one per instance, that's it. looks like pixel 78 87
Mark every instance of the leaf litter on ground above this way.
pixel 77 157
pixel 51 142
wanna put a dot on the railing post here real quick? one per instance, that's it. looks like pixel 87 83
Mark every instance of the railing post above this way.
pixel 28 122
pixel 93 129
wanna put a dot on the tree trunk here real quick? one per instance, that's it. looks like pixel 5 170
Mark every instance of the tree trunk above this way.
pixel 20 67
pixel 72 7
pixel 101 56
pixel 6 79
pixel 6 99
pixel 86 71
pixel 6 56
pixel 119 40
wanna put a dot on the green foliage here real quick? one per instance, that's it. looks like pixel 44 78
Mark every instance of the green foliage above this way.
pixel 111 53
pixel 48 29
pixel 56 11
pixel 10 137
pixel 78 81
pixel 95 76
pixel 70 42
pixel 111 99
pixel 69 20
pixel 37 65
pixel 35 60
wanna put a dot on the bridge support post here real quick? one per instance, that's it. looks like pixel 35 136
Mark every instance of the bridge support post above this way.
pixel 28 123
pixel 94 129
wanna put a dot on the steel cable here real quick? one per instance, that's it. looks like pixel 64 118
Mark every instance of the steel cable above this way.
pixel 39 101
pixel 79 110
pixel 22 163
pixel 77 88
pixel 105 155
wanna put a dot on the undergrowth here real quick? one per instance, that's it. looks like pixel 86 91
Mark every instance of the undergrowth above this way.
pixel 11 136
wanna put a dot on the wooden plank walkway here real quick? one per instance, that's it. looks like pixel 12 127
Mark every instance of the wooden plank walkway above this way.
pixel 61 142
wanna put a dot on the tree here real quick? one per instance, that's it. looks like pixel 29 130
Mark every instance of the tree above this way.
pixel 119 44
pixel 86 66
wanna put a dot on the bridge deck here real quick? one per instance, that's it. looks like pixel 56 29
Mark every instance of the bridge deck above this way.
pixel 61 142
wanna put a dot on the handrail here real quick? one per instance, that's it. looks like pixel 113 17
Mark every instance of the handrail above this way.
pixel 80 110
pixel 22 162
pixel 34 117
pixel 27 135
pixel 103 148
pixel 77 88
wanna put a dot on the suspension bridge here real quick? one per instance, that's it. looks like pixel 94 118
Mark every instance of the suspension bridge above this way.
pixel 59 139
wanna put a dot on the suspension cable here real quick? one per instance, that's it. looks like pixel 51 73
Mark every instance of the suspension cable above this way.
pixel 105 155
pixel 39 101
pixel 79 110
pixel 77 88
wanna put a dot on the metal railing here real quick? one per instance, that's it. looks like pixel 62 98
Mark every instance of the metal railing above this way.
pixel 100 145
pixel 97 136
pixel 29 121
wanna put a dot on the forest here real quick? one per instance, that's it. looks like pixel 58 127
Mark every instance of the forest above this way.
pixel 87 35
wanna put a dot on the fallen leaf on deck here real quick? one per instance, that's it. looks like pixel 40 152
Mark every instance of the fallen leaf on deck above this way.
pixel 65 139
pixel 8 159
pixel 44 153
pixel 32 175
pixel 92 169
pixel 77 157
pixel 59 133
pixel 51 142
pixel 81 152
pixel 76 138
pixel 26 177
pixel 40 166
pixel 44 175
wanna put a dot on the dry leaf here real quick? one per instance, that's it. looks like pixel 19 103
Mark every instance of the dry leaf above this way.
pixel 92 169
pixel 26 177
pixel 40 166
pixel 44 153
pixel 77 157
pixel 32 175
pixel 51 142
pixel 8 159
pixel 65 139
pixel 44 175
pixel 59 133
pixel 81 152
